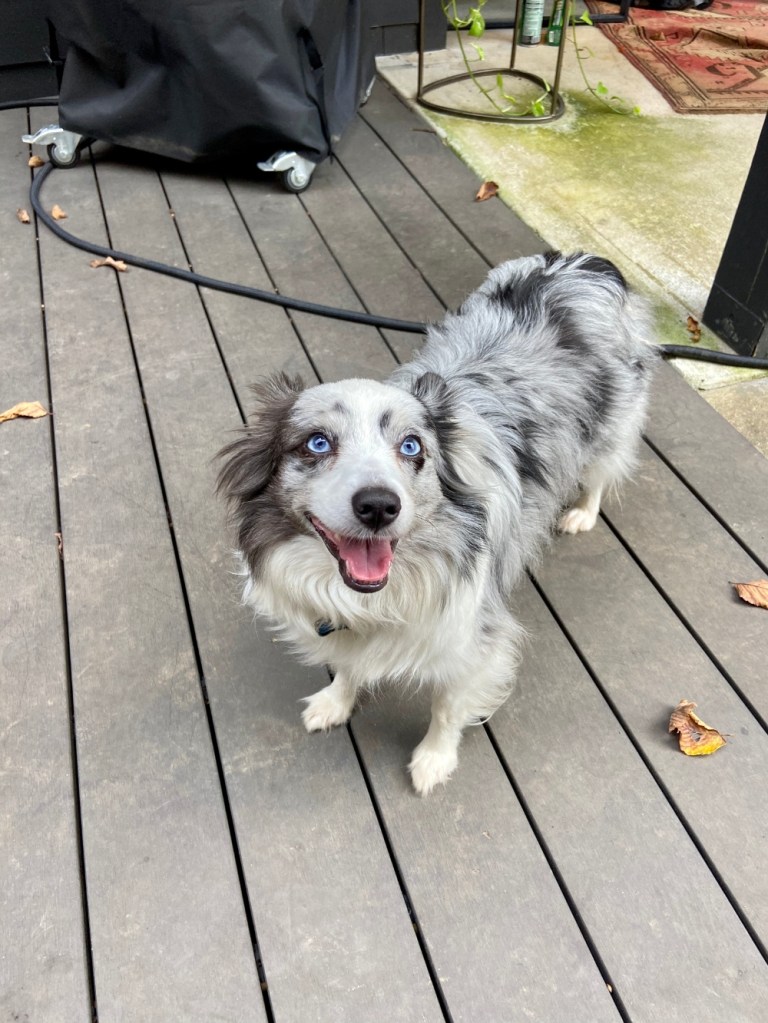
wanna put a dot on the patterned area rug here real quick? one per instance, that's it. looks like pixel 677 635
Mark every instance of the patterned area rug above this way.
pixel 703 61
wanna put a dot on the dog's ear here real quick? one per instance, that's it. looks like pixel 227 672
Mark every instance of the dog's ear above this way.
pixel 254 457
pixel 432 391
pixel 275 390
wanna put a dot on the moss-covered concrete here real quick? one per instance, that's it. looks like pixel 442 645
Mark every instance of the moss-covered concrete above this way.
pixel 632 184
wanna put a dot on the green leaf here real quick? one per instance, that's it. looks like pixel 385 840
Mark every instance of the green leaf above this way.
pixel 585 19
pixel 537 108
pixel 479 51
pixel 601 89
pixel 476 22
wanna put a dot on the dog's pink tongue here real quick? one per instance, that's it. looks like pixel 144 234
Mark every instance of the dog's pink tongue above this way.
pixel 368 561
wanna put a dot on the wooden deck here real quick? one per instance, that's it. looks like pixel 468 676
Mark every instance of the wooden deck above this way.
pixel 174 847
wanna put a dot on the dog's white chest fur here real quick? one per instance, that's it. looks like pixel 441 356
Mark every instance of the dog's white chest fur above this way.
pixel 407 632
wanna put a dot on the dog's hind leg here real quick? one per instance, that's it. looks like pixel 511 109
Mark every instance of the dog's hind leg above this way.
pixel 609 469
pixel 598 479
pixel 331 706
pixel 582 515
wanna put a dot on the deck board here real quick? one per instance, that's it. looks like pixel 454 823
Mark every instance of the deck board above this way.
pixel 577 867
pixel 40 898
pixel 714 460
pixel 164 944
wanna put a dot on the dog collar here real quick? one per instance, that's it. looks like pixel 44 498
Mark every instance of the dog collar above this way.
pixel 325 628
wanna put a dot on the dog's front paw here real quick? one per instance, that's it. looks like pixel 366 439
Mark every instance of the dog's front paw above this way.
pixel 430 767
pixel 577 520
pixel 326 709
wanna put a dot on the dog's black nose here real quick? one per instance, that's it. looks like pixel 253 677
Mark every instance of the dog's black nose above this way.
pixel 376 507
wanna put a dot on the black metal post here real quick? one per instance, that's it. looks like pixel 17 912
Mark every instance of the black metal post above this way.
pixel 737 308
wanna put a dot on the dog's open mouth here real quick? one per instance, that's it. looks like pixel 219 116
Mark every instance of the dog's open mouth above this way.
pixel 364 564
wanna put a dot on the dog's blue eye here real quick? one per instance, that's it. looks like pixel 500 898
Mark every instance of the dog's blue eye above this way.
pixel 318 444
pixel 410 447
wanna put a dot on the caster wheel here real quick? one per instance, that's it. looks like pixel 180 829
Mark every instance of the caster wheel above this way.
pixel 295 180
pixel 71 159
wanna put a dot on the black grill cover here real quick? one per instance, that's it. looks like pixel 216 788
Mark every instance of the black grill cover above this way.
pixel 205 79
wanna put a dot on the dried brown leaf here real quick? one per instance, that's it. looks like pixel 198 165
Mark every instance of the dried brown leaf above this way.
pixel 694 329
pixel 35 161
pixel 487 191
pixel 58 213
pixel 24 410
pixel 22 216
pixel 118 264
pixel 753 593
pixel 696 738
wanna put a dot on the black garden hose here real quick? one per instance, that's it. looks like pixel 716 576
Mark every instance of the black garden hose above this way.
pixel 708 355
pixel 210 282
pixel 349 315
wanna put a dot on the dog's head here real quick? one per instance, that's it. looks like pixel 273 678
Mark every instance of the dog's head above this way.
pixel 357 465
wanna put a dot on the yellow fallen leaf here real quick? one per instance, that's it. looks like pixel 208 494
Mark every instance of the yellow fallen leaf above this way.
pixel 35 161
pixel 753 593
pixel 22 216
pixel 118 264
pixel 58 213
pixel 25 410
pixel 486 191
pixel 696 738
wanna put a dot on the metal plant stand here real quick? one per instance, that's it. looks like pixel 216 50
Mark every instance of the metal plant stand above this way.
pixel 552 92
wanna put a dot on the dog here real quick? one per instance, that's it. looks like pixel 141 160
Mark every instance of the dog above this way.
pixel 383 526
